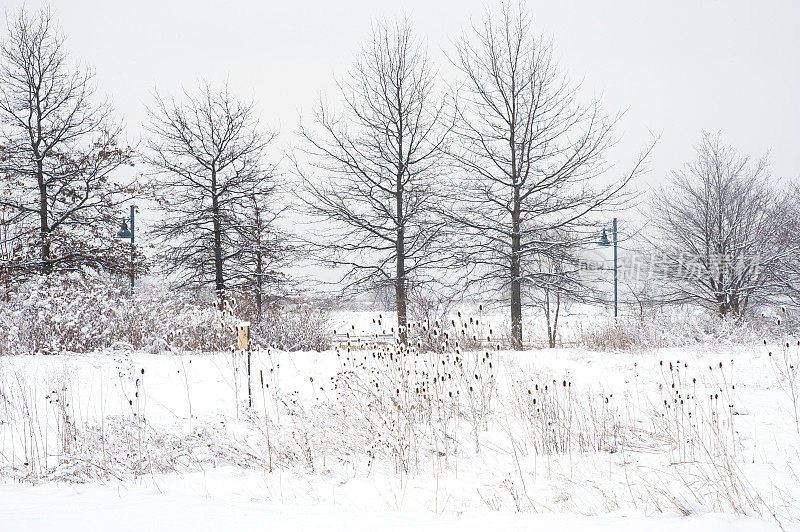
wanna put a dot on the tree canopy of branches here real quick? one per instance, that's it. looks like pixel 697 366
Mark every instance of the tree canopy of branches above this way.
pixel 207 152
pixel 379 166
pixel 564 280
pixel 58 152
pixel 265 249
pixel 531 161
pixel 723 231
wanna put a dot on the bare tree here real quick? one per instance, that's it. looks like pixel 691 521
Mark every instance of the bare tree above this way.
pixel 378 165
pixel 560 280
pixel 264 249
pixel 790 274
pixel 723 231
pixel 58 152
pixel 531 160
pixel 207 154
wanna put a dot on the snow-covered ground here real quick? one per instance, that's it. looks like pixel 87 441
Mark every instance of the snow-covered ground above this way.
pixel 235 500
pixel 136 441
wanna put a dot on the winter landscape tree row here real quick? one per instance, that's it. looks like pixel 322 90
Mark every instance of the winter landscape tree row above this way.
pixel 495 184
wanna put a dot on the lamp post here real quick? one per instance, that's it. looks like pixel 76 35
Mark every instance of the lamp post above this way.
pixel 604 241
pixel 125 233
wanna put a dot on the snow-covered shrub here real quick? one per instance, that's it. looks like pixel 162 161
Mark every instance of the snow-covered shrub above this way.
pixel 52 441
pixel 81 314
pixel 78 313
pixel 665 328
pixel 295 327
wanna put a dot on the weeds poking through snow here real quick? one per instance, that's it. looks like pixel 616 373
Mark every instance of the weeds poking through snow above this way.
pixel 669 441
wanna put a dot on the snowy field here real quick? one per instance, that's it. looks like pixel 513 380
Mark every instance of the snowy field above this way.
pixel 672 439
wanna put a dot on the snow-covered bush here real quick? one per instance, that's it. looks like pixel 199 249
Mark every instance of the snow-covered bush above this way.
pixel 82 314
pixel 471 327
pixel 666 328
pixel 295 327
pixel 79 313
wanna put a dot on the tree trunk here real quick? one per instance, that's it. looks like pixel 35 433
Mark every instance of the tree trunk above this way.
pixel 516 270
pixel 547 317
pixel 400 273
pixel 555 321
pixel 259 258
pixel 219 281
pixel 44 226
pixel 400 295
pixel 552 325
pixel 259 286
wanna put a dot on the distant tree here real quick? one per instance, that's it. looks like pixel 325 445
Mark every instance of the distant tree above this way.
pixel 379 165
pixel 789 275
pixel 723 231
pixel 58 155
pixel 207 154
pixel 559 280
pixel 265 250
pixel 531 161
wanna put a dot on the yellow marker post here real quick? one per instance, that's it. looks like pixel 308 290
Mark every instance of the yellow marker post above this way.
pixel 244 336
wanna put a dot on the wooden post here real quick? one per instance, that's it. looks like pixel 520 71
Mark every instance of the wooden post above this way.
pixel 244 344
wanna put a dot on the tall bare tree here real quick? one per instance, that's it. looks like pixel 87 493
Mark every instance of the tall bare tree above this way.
pixel 378 164
pixel 531 161
pixel 723 231
pixel 58 154
pixel 207 152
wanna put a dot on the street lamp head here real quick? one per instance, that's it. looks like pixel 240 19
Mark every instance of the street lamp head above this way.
pixel 123 231
pixel 604 241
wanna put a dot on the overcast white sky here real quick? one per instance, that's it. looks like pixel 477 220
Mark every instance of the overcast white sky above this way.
pixel 677 67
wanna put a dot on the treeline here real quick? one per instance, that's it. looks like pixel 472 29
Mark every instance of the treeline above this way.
pixel 416 190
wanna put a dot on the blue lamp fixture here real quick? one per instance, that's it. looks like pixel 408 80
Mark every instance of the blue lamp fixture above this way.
pixel 605 242
pixel 125 233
